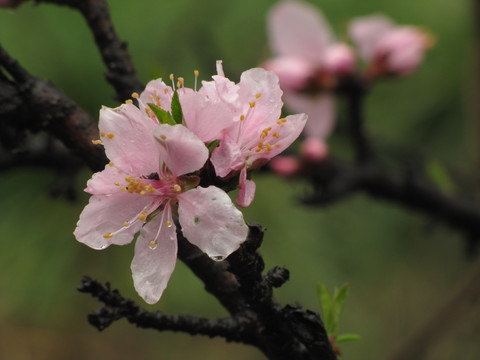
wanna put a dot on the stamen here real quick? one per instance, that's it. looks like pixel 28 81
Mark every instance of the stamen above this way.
pixel 96 142
pixel 171 79
pixel 128 101
pixel 252 104
pixel 110 164
pixel 102 134
pixel 242 117
pixel 196 77
pixel 135 95
pixel 125 224
pixel 110 135
pixel 258 95
pixel 169 223
pixel 108 235
pixel 180 82
pixel 177 188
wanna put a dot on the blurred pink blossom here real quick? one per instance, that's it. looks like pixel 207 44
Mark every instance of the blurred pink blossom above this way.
pixel 306 59
pixel 314 149
pixel 285 165
pixel 389 49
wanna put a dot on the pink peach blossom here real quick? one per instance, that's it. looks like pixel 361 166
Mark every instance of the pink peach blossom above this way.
pixel 257 132
pixel 149 180
pixel 305 53
pixel 389 48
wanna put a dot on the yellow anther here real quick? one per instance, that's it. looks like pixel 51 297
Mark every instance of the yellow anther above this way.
pixel 258 150
pixel 260 145
pixel 165 91
pixel 149 112
pixel 142 192
pixel 149 188
pixel 196 72
pixel 150 97
pixel 125 224
pixel 152 244
pixel 277 135
pixel 163 137
pixel 168 223
pixel 128 101
pixel 117 183
pixel 110 164
pixel 180 81
pixel 96 142
pixel 258 95
pixel 108 235
pixel 283 120
pixel 102 134
pixel 269 147
pixel 177 188
pixel 142 216
pixel 110 135
pixel 123 189
pixel 129 178
pixel 171 77
pixel 252 104
pixel 242 117
pixel 135 95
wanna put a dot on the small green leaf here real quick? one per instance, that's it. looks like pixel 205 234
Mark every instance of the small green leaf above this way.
pixel 346 337
pixel 212 145
pixel 325 301
pixel 338 301
pixel 164 117
pixel 440 176
pixel 177 112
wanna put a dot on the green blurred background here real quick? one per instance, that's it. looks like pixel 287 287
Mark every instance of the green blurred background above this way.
pixel 401 266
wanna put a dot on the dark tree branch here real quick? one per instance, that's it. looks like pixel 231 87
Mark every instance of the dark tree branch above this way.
pixel 116 307
pixel 37 105
pixel 334 180
pixel 120 70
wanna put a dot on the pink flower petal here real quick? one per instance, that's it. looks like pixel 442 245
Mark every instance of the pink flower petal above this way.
pixel 227 156
pixel 204 117
pixel 246 191
pixel 298 29
pixel 158 93
pixel 367 31
pixel 184 151
pixel 282 134
pixel 210 221
pixel 106 215
pixel 126 133
pixel 262 99
pixel 155 258
pixel 339 59
pixel 320 110
pixel 293 72
pixel 103 183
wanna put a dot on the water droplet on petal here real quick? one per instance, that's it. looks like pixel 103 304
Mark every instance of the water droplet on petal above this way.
pixel 152 245
pixel 218 257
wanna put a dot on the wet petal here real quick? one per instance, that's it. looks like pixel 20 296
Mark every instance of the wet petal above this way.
pixel 184 151
pixel 105 215
pixel 127 136
pixel 210 221
pixel 158 93
pixel 154 260
pixel 298 29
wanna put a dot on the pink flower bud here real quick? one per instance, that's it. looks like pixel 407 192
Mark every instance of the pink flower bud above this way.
pixel 285 165
pixel 293 72
pixel 314 149
pixel 402 49
pixel 339 59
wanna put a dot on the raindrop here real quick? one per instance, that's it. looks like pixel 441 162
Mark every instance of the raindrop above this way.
pixel 218 257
